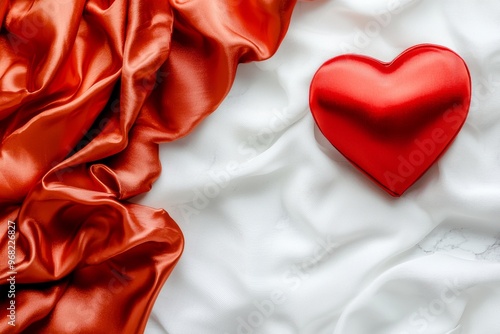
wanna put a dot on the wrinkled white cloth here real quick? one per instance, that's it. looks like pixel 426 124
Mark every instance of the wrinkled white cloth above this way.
pixel 284 236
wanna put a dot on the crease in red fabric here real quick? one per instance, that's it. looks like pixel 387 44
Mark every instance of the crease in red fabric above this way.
pixel 88 89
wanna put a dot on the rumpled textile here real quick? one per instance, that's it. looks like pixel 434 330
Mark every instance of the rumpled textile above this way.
pixel 285 236
pixel 87 91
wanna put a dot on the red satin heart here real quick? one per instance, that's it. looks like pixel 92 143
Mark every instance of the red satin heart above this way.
pixel 392 120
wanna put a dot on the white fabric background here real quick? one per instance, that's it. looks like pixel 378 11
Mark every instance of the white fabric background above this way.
pixel 284 236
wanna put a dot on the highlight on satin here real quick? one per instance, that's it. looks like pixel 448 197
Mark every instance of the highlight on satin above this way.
pixel 88 89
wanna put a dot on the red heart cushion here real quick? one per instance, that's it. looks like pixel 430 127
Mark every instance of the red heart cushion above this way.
pixel 392 120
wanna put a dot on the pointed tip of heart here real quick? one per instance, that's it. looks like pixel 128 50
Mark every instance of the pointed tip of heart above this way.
pixel 392 125
pixel 394 193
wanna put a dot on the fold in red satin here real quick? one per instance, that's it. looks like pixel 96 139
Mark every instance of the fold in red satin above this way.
pixel 87 91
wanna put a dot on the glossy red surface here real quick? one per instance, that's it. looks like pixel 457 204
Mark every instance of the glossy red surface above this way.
pixel 394 120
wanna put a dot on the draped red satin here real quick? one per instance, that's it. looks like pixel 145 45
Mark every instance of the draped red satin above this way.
pixel 87 91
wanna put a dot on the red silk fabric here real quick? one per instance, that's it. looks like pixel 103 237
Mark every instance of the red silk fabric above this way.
pixel 87 91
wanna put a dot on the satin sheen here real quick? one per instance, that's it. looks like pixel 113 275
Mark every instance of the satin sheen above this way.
pixel 392 120
pixel 87 91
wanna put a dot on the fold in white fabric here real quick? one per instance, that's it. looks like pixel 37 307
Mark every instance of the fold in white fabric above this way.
pixel 284 236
